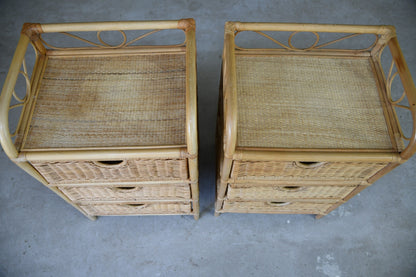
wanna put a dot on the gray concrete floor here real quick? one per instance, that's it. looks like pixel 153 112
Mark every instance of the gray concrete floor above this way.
pixel 372 235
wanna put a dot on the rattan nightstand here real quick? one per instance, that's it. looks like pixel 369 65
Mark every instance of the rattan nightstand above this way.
pixel 111 128
pixel 304 129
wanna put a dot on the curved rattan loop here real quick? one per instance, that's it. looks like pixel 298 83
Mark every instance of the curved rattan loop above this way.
pixel 347 37
pixel 274 40
pixel 289 41
pixel 103 44
pixel 315 45
pixel 395 103
pixel 123 43
pixel 21 101
pixel 142 36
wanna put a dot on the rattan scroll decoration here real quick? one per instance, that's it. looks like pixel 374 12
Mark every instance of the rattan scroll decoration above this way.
pixel 102 44
pixel 21 102
pixel 395 103
pixel 315 46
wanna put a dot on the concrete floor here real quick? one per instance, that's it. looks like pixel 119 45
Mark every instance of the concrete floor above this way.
pixel 372 235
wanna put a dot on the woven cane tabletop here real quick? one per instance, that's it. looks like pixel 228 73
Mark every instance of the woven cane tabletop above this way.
pixel 110 101
pixel 309 102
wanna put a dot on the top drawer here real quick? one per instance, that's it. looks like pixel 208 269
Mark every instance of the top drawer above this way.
pixel 132 170
pixel 275 170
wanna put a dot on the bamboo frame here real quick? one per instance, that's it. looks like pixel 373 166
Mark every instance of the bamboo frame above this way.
pixel 31 33
pixel 385 35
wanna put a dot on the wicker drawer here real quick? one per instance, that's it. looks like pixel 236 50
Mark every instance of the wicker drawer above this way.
pixel 70 172
pixel 250 193
pixel 276 170
pixel 138 209
pixel 128 193
pixel 276 207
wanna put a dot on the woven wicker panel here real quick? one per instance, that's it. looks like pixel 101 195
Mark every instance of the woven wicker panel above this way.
pixel 110 101
pixel 309 102
pixel 290 171
pixel 267 207
pixel 140 209
pixel 287 192
pixel 129 194
pixel 69 172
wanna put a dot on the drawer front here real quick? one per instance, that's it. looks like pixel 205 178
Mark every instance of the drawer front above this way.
pixel 67 172
pixel 127 193
pixel 276 207
pixel 250 193
pixel 274 170
pixel 137 209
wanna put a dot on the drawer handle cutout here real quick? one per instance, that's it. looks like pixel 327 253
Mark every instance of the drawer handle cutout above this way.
pixel 111 163
pixel 290 188
pixel 135 205
pixel 126 189
pixel 278 203
pixel 304 164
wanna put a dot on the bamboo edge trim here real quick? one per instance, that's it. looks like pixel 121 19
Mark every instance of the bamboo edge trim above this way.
pixel 178 153
pixel 242 155
pixel 307 27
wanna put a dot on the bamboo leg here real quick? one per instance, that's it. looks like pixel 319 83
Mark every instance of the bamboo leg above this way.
pixel 193 174
pixel 195 202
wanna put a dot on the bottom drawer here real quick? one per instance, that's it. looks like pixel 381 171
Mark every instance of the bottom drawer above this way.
pixel 138 209
pixel 262 193
pixel 276 207
pixel 128 193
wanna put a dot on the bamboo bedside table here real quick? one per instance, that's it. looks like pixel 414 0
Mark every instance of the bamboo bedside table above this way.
pixel 111 128
pixel 304 129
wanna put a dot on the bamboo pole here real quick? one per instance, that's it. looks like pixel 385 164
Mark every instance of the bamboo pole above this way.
pixel 109 26
pixel 230 93
pixel 112 154
pixel 191 93
pixel 300 27
pixel 191 113
pixel 116 184
pixel 316 156
pixel 333 53
pixel 132 50
pixel 6 95
pixel 230 113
